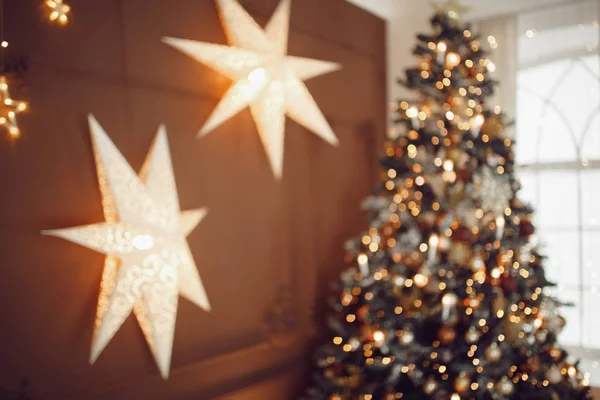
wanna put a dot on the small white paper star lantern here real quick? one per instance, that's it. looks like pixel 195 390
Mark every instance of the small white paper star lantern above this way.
pixel 264 77
pixel 148 261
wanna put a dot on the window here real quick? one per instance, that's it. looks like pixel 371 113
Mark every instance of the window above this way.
pixel 558 150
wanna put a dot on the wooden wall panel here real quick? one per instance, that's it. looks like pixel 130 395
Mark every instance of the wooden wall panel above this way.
pixel 266 250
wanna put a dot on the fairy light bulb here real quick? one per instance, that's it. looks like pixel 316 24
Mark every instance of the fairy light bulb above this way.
pixel 449 175
pixel 476 123
pixel 413 114
pixel 448 165
pixel 500 223
pixel 441 52
pixel 363 264
pixel 420 280
pixel 452 60
pixel 434 241
pixel 449 301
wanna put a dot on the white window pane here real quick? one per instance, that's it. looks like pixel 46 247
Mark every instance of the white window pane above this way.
pixel 570 335
pixel 590 198
pixel 558 199
pixel 591 322
pixel 541 79
pixel 529 112
pixel 576 97
pixel 590 149
pixel 529 190
pixel 555 131
pixel 562 265
pixel 591 259
pixel 593 63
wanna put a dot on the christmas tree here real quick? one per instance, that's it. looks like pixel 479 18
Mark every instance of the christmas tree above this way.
pixel 446 296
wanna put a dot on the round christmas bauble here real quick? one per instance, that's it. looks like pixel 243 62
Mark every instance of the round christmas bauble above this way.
pixel 362 313
pixel 494 127
pixel 463 234
pixel 354 342
pixel 446 356
pixel 553 375
pixel 462 383
pixel 433 285
pixel 526 229
pixel 493 353
pixel 472 335
pixel 509 284
pixel 407 337
pixel 505 386
pixel 447 334
pixel 459 254
pixel 541 336
pixel 533 364
pixel 430 386
pixel 556 353
pixel 414 261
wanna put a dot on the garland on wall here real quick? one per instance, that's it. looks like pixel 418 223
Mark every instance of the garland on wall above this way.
pixel 9 108
pixel 58 12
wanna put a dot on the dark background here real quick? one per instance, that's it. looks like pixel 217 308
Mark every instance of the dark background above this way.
pixel 267 250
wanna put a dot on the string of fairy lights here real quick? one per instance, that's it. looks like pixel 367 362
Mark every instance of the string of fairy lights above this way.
pixel 57 12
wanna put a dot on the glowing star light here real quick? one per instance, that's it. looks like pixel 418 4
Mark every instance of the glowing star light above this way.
pixel 148 261
pixel 59 11
pixel 264 77
pixel 9 109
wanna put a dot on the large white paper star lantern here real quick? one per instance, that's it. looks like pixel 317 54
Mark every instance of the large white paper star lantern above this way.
pixel 148 261
pixel 264 77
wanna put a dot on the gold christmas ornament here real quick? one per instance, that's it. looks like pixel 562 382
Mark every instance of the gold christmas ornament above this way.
pixel 148 261
pixel 407 337
pixel 462 383
pixel 9 109
pixel 553 375
pixel 505 386
pixel 447 334
pixel 460 254
pixel 430 386
pixel 493 353
pixel 264 77
pixel 472 335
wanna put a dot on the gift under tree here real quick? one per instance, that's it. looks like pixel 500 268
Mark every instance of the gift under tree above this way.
pixel 446 296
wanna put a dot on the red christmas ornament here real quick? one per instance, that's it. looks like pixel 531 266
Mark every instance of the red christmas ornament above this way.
pixel 508 284
pixel 463 234
pixel 447 334
pixel 526 228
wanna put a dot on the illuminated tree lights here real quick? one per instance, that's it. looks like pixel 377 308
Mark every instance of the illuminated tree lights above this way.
pixel 446 296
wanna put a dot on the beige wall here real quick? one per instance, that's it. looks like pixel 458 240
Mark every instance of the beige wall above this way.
pixel 265 249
